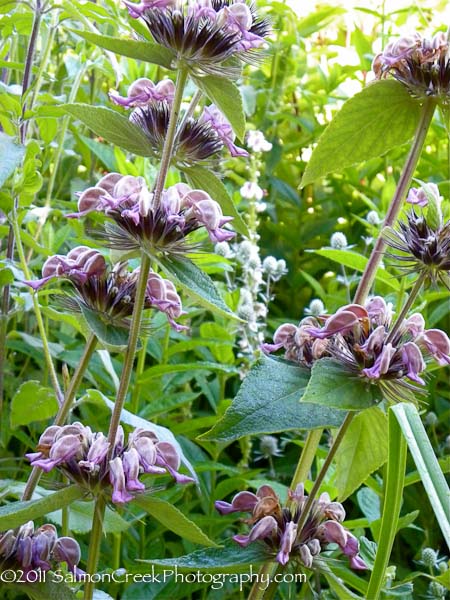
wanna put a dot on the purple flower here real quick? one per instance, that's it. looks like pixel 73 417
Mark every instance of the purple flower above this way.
pixel 212 115
pixel 277 527
pixel 263 529
pixel 120 495
pixel 88 465
pixel 32 550
pixel 438 345
pixel 137 10
pixel 143 91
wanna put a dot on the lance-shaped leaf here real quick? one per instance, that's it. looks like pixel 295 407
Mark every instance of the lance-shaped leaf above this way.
pixel 226 96
pixel 169 516
pixel 111 126
pixel 11 155
pixel 146 51
pixel 17 513
pixel 196 283
pixel 356 261
pixel 330 385
pixel 269 401
pixel 426 462
pixel 199 177
pixel 230 558
pixel 383 115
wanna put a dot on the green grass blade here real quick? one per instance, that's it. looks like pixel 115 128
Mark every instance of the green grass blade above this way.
pixel 391 507
pixel 427 464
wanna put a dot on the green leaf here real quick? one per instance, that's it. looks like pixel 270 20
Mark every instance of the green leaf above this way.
pixel 362 451
pixel 357 262
pixel 383 115
pixel 80 518
pixel 230 558
pixel 268 402
pixel 53 587
pixel 159 370
pixel 32 402
pixel 11 155
pixel 15 514
pixel 112 126
pixel 146 51
pixel 107 333
pixel 226 96
pixel 196 283
pixel 426 462
pixel 199 177
pixel 6 276
pixel 393 496
pixel 103 152
pixel 169 516
pixel 331 386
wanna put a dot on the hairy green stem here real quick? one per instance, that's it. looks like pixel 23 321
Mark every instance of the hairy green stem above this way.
pixel 403 185
pixel 64 409
pixel 170 136
pixel 127 369
pixel 94 545
pixel 409 302
pixel 306 458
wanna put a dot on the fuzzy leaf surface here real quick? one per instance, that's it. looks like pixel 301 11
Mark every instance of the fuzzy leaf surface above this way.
pixel 331 386
pixel 383 115
pixel 269 401
pixel 226 96
pixel 146 51
pixel 111 126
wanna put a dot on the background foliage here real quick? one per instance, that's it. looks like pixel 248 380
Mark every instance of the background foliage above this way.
pixel 316 61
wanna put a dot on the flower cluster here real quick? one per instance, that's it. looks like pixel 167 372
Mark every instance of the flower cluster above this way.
pixel 203 34
pixel 423 239
pixel 278 526
pixel 83 456
pixel 110 293
pixel 139 223
pixel 422 65
pixel 198 141
pixel 360 339
pixel 30 550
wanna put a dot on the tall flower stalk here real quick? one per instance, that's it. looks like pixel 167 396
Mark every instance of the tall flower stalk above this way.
pixel 100 505
pixel 362 292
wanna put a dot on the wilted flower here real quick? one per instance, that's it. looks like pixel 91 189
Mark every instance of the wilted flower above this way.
pixel 204 35
pixel 29 550
pixel 359 339
pixel 109 293
pixel 278 527
pixel 423 239
pixel 138 223
pixel 422 65
pixel 143 92
pixel 83 457
pixel 257 142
